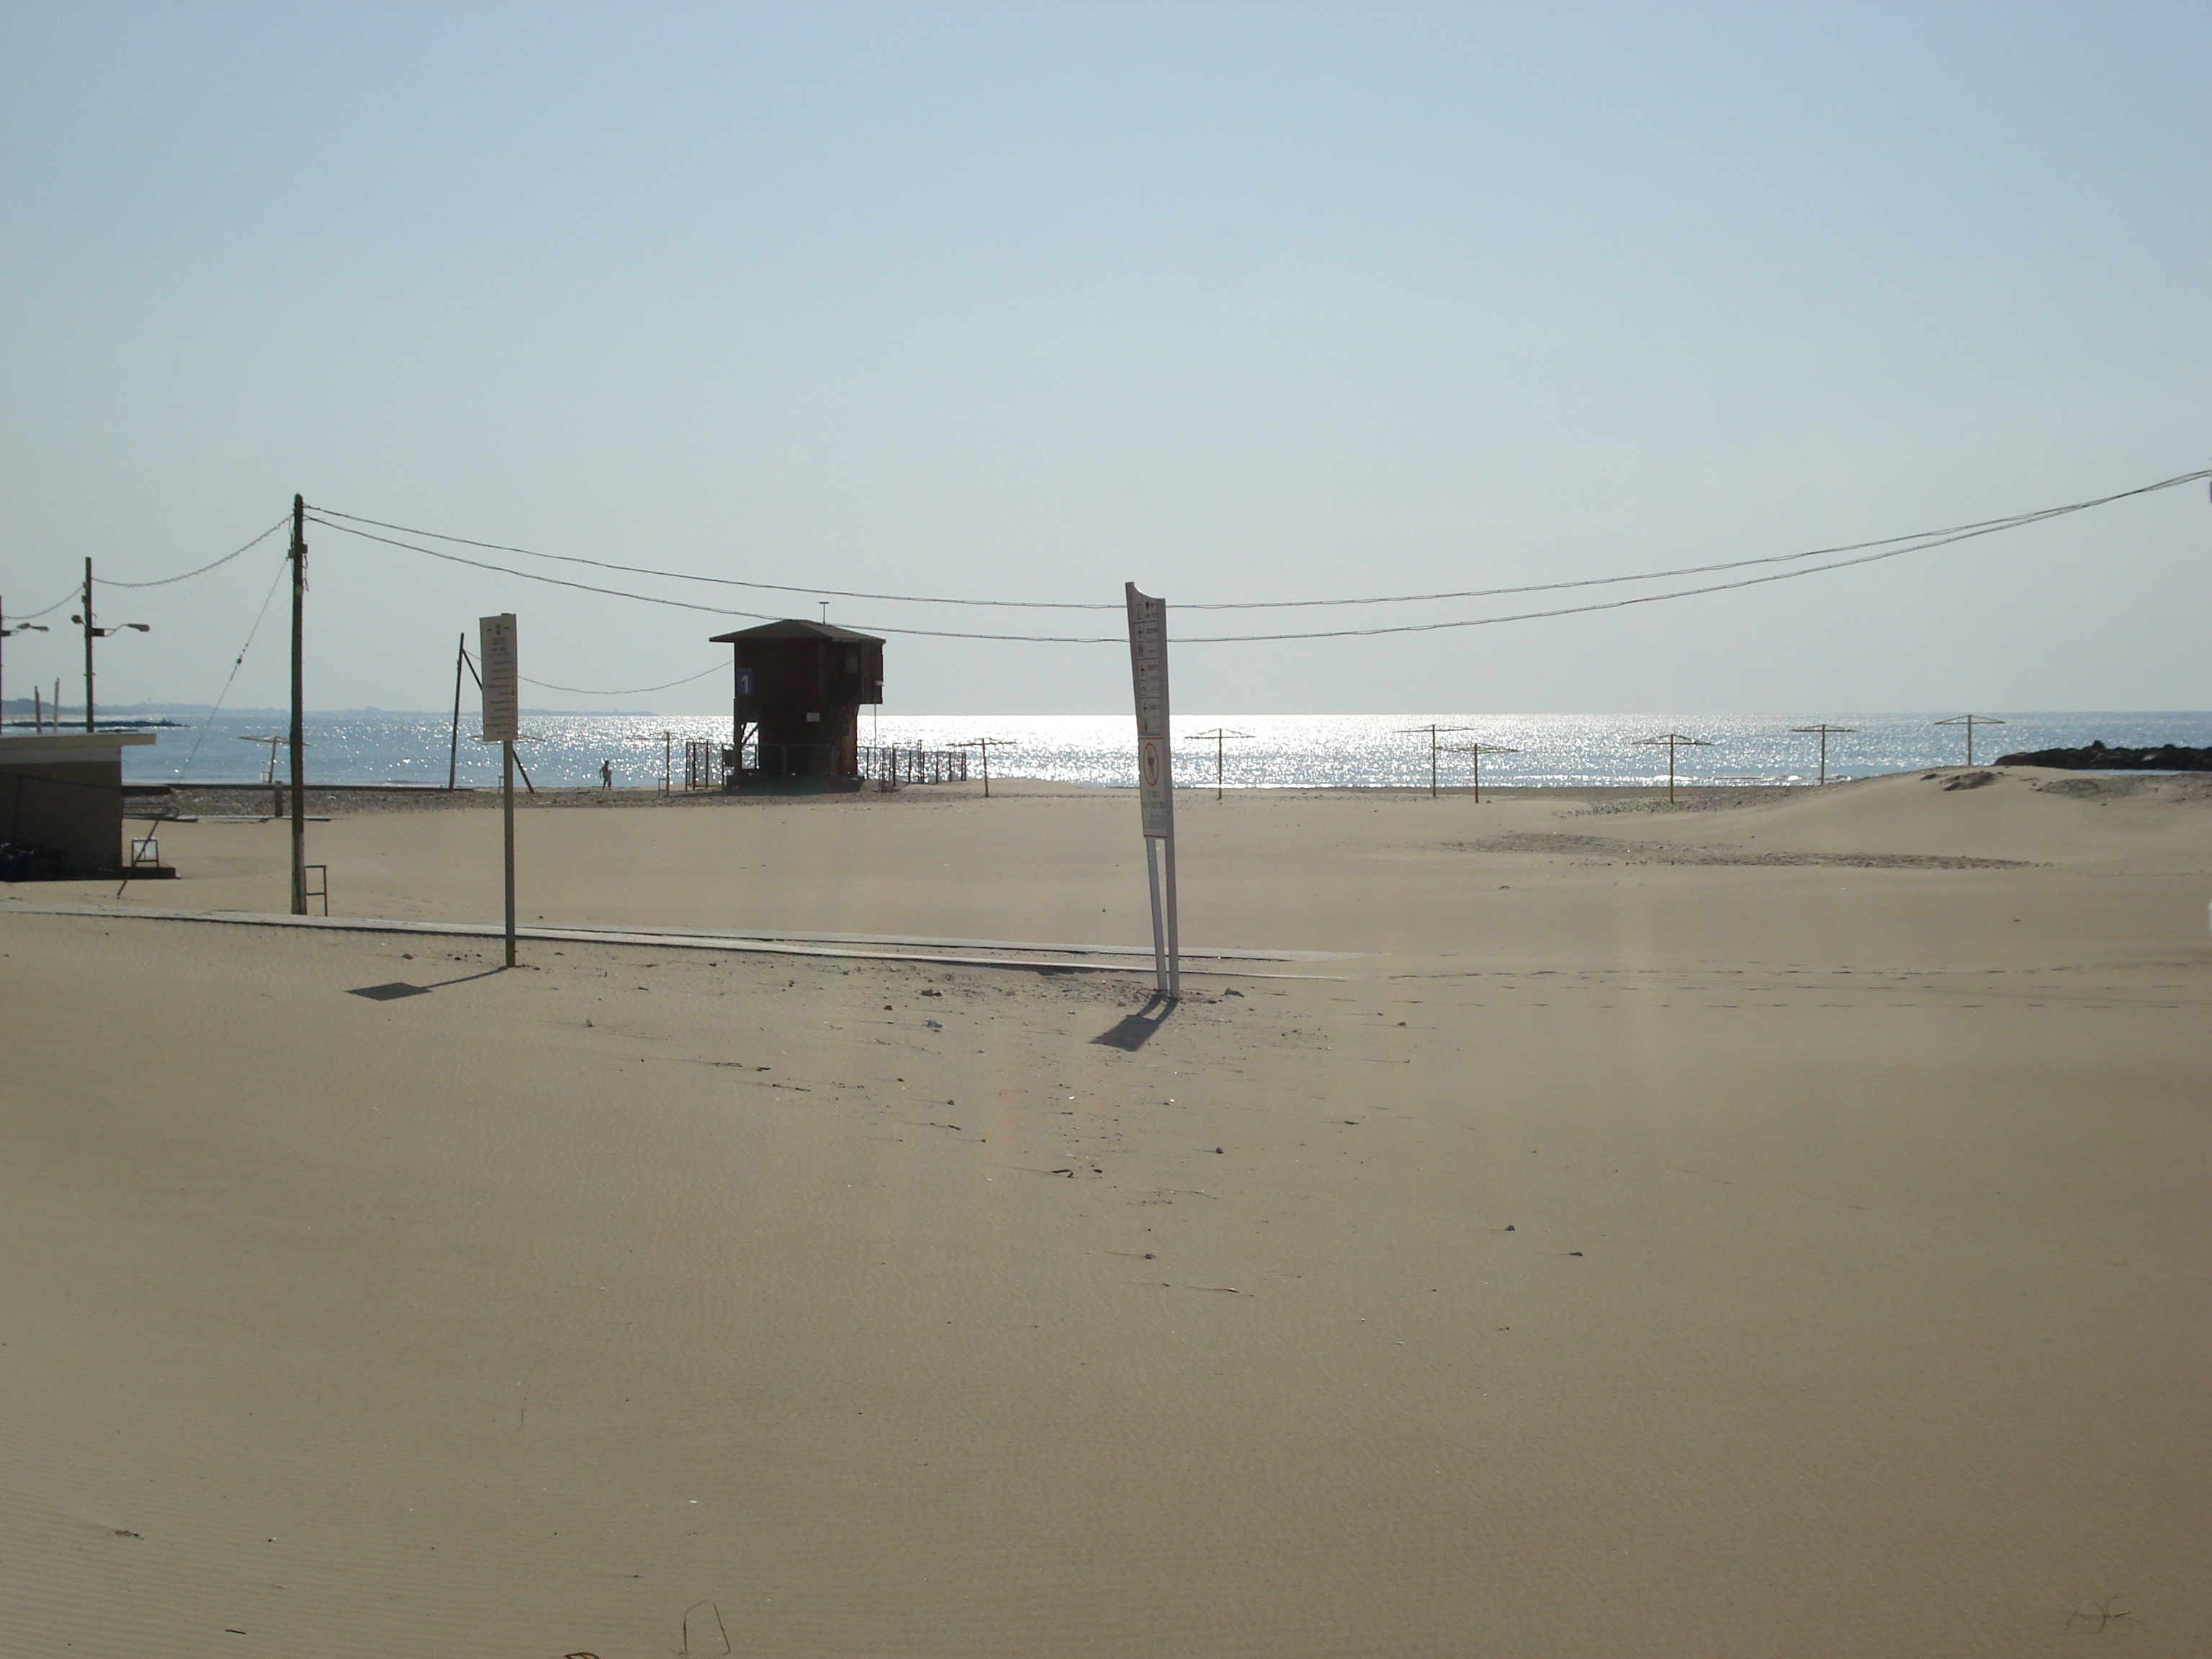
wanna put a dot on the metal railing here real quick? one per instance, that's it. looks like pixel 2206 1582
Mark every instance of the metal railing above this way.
pixel 894 768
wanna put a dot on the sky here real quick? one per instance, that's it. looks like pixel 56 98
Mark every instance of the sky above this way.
pixel 1237 302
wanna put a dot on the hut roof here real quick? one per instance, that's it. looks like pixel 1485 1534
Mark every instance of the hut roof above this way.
pixel 793 627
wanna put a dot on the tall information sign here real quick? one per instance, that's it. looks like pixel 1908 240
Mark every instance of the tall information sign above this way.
pixel 501 725
pixel 1148 669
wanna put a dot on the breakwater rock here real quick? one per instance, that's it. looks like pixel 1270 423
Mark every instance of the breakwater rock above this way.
pixel 2167 757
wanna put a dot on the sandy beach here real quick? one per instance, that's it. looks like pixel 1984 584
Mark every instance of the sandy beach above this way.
pixel 1774 1226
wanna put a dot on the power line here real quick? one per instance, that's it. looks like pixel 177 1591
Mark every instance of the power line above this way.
pixel 107 581
pixel 1988 528
pixel 33 616
pixel 718 581
pixel 710 609
pixel 215 708
pixel 1929 538
pixel 635 691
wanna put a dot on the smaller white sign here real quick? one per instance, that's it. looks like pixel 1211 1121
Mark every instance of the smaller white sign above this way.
pixel 1155 780
pixel 495 651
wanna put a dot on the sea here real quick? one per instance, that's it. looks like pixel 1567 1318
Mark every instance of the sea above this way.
pixel 1269 751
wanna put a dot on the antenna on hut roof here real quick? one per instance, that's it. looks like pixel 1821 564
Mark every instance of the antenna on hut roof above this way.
pixel 825 603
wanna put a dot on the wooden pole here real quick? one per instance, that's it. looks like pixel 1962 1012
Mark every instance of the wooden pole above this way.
pixel 453 760
pixel 299 706
pixel 1823 729
pixel 506 803
pixel 89 657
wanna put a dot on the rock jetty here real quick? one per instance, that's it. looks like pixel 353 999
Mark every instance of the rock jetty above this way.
pixel 2097 758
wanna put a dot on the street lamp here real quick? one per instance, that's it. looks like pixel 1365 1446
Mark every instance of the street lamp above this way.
pixel 92 634
pixel 20 628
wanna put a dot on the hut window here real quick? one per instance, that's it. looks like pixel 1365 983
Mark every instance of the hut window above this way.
pixel 852 662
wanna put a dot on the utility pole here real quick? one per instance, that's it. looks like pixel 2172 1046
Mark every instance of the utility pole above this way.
pixel 298 715
pixel 1433 731
pixel 454 758
pixel 10 633
pixel 984 745
pixel 1970 721
pixel 1219 736
pixel 1674 740
pixel 89 631
pixel 1476 751
pixel 91 634
pixel 1824 729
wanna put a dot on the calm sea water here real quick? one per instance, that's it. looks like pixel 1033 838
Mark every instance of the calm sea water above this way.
pixel 1282 751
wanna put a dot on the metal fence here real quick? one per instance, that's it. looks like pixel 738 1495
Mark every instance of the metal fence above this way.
pixel 894 768
pixel 717 766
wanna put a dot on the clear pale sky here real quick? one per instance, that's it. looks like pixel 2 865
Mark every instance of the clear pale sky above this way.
pixel 1237 302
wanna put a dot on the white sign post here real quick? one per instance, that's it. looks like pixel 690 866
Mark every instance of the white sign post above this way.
pixel 501 725
pixel 1148 669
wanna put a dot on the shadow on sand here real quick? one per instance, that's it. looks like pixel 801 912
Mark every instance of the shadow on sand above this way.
pixel 1133 1032
pixel 400 987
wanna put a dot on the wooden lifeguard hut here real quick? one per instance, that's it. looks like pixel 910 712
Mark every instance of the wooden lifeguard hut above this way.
pixel 795 702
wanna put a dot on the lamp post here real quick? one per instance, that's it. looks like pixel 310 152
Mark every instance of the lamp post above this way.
pixel 92 634
pixel 10 633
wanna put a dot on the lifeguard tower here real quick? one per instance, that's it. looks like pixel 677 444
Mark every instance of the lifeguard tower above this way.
pixel 795 704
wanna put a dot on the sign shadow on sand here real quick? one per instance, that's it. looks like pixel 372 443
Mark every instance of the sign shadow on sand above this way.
pixel 1133 1032
pixel 399 987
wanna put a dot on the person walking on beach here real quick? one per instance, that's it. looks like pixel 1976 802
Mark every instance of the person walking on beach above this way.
pixel 607 776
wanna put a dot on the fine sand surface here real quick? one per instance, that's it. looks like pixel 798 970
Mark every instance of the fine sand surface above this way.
pixel 1770 1229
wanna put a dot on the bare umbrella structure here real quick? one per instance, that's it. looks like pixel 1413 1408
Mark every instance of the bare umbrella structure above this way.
pixel 276 796
pixel 1435 732
pixel 1824 730
pixel 1475 752
pixel 983 746
pixel 1674 740
pixel 1970 721
pixel 1220 735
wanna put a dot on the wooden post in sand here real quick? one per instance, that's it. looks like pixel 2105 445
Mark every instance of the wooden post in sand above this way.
pixel 1433 731
pixel 1148 670
pixel 1970 721
pixel 1475 752
pixel 983 746
pixel 1675 740
pixel 1824 729
pixel 1220 737
pixel 454 759
pixel 495 637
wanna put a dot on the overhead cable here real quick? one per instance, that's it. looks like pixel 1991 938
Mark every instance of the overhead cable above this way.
pixel 1931 538
pixel 718 581
pixel 635 691
pixel 237 662
pixel 686 604
pixel 1230 638
pixel 109 581
pixel 74 594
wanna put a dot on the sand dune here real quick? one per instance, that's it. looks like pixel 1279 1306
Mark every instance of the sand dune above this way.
pixel 1616 1256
